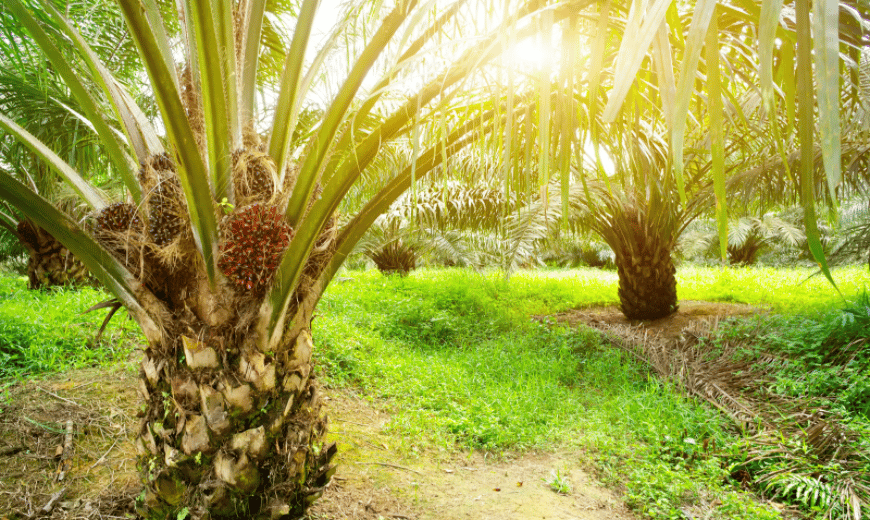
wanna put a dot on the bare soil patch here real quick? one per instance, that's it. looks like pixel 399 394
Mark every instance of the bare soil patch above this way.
pixel 690 314
pixel 375 478
pixel 101 478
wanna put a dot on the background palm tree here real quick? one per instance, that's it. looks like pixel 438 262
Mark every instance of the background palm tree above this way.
pixel 34 95
pixel 446 222
pixel 689 91
pixel 747 238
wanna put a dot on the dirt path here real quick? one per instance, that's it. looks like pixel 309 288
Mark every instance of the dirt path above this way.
pixel 372 482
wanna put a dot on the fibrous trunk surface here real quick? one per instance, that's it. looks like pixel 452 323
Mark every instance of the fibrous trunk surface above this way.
pixel 647 282
pixel 231 432
pixel 50 263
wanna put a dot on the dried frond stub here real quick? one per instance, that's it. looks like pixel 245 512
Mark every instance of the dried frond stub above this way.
pixel 255 240
pixel 27 232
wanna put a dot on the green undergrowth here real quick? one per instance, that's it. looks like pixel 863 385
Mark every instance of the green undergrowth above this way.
pixel 822 359
pixel 463 365
pixel 823 355
pixel 787 291
pixel 469 361
pixel 44 331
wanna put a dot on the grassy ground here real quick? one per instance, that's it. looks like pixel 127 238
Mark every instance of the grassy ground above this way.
pixel 44 331
pixel 464 366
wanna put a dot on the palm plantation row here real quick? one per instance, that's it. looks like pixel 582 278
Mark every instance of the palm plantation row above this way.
pixel 218 199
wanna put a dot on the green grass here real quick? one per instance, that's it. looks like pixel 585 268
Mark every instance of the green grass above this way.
pixel 463 365
pixel 43 331
pixel 788 291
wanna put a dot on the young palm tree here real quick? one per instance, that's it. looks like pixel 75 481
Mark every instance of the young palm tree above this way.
pixel 747 237
pixel 229 233
pixel 443 221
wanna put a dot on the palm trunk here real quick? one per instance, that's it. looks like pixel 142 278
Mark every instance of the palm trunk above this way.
pixel 642 246
pixel 231 432
pixel 50 264
pixel 647 285
pixel 228 431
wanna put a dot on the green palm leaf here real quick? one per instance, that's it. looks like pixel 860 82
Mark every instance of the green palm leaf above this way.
pixel 805 134
pixel 120 159
pixel 192 170
pixel 93 197
pixel 827 68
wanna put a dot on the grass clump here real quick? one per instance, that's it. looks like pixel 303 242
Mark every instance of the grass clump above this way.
pixel 823 355
pixel 44 331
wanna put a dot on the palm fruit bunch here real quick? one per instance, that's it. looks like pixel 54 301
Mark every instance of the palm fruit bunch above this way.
pixel 258 179
pixel 118 217
pixel 164 221
pixel 162 162
pixel 255 239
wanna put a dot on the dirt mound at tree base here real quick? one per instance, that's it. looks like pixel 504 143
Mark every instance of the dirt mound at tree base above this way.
pixel 690 313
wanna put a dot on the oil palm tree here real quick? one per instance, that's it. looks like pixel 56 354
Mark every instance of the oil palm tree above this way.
pixel 747 237
pixel 673 94
pixel 446 221
pixel 228 233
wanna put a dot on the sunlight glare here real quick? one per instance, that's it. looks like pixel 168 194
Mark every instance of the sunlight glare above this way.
pixel 531 56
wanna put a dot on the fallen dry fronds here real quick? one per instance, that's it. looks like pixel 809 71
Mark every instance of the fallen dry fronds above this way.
pixel 795 451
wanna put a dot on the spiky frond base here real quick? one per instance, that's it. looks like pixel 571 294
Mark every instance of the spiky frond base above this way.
pixel 647 285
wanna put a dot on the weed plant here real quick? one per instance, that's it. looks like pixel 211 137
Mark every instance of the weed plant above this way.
pixel 44 331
